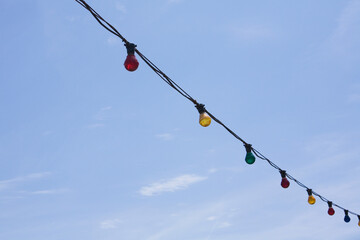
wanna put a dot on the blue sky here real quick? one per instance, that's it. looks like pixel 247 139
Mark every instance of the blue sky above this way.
pixel 91 151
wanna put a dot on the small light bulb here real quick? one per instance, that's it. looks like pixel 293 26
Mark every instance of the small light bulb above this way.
pixel 359 220
pixel 284 181
pixel 204 118
pixel 249 158
pixel 311 199
pixel 131 63
pixel 331 210
pixel 347 218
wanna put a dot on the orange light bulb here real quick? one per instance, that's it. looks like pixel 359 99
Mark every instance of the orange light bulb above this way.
pixel 204 118
pixel 311 199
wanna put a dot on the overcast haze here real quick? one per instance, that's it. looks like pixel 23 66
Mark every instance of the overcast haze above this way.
pixel 91 151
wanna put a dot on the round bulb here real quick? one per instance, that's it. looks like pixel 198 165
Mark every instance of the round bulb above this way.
pixel 249 158
pixel 311 200
pixel 347 218
pixel 204 120
pixel 285 182
pixel 359 223
pixel 331 211
pixel 131 63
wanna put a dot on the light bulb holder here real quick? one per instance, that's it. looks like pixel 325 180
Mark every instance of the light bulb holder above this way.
pixel 358 217
pixel 248 147
pixel 329 204
pixel 309 191
pixel 283 173
pixel 200 108
pixel 130 47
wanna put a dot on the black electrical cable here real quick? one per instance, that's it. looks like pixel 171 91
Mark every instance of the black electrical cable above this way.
pixel 176 87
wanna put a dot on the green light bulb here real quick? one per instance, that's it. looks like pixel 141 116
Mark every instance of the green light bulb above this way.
pixel 249 158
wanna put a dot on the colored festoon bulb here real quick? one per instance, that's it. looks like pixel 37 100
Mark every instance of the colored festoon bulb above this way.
pixel 249 158
pixel 359 220
pixel 204 119
pixel 347 218
pixel 331 210
pixel 284 181
pixel 131 63
pixel 311 199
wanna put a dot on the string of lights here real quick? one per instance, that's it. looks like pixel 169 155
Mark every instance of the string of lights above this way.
pixel 131 64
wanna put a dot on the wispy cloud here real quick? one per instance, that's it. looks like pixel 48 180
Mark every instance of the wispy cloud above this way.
pixel 348 19
pixel 110 224
pixel 47 133
pixel 112 41
pixel 171 185
pixel 211 218
pixel 165 136
pixel 346 35
pixel 213 170
pixel 95 125
pixel 251 32
pixel 50 191
pixel 353 98
pixel 174 1
pixel 102 113
pixel 120 7
pixel 100 116
pixel 4 184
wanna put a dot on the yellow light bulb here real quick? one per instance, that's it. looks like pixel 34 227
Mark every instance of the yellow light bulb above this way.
pixel 311 200
pixel 205 119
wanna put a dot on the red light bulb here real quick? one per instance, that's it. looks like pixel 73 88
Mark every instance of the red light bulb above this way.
pixel 131 63
pixel 331 210
pixel 284 181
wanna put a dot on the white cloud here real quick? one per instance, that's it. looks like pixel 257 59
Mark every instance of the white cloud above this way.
pixel 50 191
pixel 171 185
pixel 354 98
pixel 224 225
pixel 213 170
pixel 101 114
pixel 120 7
pixel 174 1
pixel 251 32
pixel 343 41
pixel 348 19
pixel 211 218
pixel 13 181
pixel 47 133
pixel 95 125
pixel 165 136
pixel 110 224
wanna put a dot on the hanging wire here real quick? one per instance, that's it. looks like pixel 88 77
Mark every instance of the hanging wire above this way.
pixel 181 91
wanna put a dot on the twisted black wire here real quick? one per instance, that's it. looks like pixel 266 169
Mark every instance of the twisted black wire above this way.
pixel 176 87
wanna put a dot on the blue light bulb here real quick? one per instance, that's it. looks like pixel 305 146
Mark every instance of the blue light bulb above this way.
pixel 346 218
